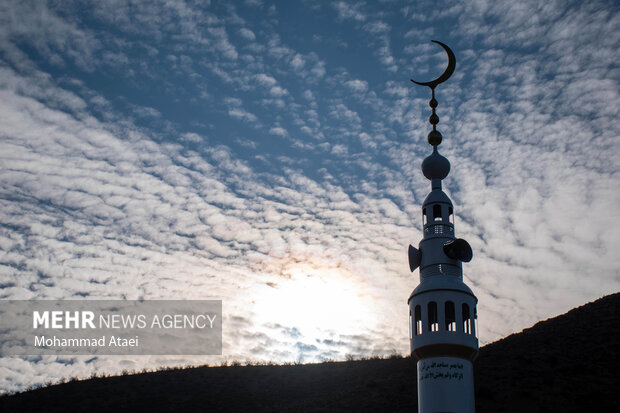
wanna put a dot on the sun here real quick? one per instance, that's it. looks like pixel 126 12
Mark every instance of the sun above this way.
pixel 317 301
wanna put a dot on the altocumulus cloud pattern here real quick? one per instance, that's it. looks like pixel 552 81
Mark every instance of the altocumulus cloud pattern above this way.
pixel 267 154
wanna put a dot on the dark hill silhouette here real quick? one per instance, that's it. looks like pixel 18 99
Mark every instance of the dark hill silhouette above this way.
pixel 566 364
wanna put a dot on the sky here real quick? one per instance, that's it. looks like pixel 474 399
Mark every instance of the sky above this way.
pixel 268 154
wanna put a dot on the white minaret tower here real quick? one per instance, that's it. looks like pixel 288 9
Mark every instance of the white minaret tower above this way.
pixel 442 309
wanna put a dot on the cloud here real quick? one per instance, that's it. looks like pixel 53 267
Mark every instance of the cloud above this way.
pixel 265 80
pixel 247 34
pixel 55 39
pixel 298 62
pixel 341 112
pixel 147 112
pixel 276 130
pixel 318 70
pixel 377 27
pixel 236 110
pixel 357 85
pixel 242 114
pixel 277 91
pixel 222 44
pixel 348 10
pixel 254 3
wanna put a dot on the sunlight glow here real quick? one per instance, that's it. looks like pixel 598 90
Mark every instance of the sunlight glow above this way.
pixel 318 302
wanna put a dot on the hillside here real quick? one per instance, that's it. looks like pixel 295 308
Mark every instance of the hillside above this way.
pixel 568 363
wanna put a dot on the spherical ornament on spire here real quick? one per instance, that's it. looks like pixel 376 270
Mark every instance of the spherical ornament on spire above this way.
pixel 435 166
pixel 434 137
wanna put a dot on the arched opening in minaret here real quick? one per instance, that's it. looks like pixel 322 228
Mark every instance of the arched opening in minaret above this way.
pixel 410 322
pixel 451 215
pixel 424 217
pixel 433 322
pixel 418 320
pixel 466 319
pixel 476 321
pixel 450 316
pixel 437 213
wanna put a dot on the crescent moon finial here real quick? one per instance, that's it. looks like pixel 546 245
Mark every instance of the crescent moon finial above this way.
pixel 446 74
pixel 434 137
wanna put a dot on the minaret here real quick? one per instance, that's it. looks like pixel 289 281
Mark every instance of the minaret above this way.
pixel 442 309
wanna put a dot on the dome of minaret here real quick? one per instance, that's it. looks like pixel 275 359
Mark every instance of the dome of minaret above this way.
pixel 435 166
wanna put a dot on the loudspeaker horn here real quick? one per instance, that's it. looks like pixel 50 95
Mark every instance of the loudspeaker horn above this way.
pixel 414 258
pixel 458 249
